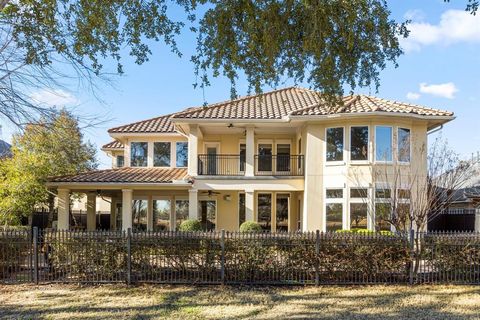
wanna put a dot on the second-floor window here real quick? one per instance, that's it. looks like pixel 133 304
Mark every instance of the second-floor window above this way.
pixel 120 161
pixel 383 143
pixel 335 144
pixel 403 141
pixel 359 143
pixel 138 154
pixel 182 154
pixel 161 154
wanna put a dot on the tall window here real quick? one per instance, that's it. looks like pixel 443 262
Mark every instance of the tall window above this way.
pixel 383 209
pixel 182 154
pixel 181 212
pixel 359 143
pixel 265 157
pixel 335 144
pixel 334 209
pixel 282 207
pixel 161 154
pixel 264 211
pixel 403 145
pixel 383 143
pixel 358 208
pixel 138 154
pixel 120 161
pixel 161 215
pixel 241 208
pixel 139 215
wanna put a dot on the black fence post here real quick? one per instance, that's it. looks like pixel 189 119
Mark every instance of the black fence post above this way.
pixel 129 256
pixel 412 256
pixel 35 255
pixel 317 258
pixel 222 261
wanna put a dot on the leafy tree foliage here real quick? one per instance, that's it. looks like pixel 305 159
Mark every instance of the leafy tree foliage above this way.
pixel 54 146
pixel 329 43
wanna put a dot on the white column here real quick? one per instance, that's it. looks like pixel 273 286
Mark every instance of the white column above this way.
pixel 127 198
pixel 91 211
pixel 173 218
pixel 193 204
pixel 63 222
pixel 249 205
pixel 150 213
pixel 250 152
pixel 193 151
pixel 113 213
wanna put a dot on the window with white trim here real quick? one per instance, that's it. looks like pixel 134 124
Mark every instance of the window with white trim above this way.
pixel 161 214
pixel 383 144
pixel 334 209
pixel 181 154
pixel 161 154
pixel 138 154
pixel 383 209
pixel 358 208
pixel 359 143
pixel 403 145
pixel 335 142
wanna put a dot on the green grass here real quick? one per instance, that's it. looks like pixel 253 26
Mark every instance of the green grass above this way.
pixel 214 302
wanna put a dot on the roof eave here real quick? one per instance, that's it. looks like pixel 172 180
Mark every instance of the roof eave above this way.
pixel 368 114
pixel 227 120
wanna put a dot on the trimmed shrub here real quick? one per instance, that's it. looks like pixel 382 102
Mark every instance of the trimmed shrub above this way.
pixel 190 225
pixel 250 226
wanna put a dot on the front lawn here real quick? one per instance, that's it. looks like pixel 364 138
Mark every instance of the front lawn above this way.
pixel 181 302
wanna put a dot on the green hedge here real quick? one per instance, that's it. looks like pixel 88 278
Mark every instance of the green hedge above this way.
pixel 190 225
pixel 250 226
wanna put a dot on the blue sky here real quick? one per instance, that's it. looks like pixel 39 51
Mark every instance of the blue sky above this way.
pixel 440 69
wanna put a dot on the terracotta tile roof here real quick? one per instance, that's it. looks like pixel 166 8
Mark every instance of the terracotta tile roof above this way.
pixel 115 144
pixel 277 104
pixel 126 175
pixel 365 104
pixel 270 105
pixel 154 125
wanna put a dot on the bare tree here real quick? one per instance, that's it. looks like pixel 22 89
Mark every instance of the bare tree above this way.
pixel 409 196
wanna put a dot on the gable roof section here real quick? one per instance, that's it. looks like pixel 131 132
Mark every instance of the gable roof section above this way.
pixel 126 175
pixel 275 104
pixel 367 104
pixel 113 145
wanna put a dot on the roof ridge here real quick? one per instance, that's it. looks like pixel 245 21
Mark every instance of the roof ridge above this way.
pixel 238 99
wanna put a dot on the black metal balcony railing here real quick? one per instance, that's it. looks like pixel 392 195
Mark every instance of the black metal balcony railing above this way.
pixel 221 165
pixel 279 165
pixel 265 165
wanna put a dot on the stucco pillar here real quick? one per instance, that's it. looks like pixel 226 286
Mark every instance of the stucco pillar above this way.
pixel 193 204
pixel 477 221
pixel 193 150
pixel 249 205
pixel 150 213
pixel 250 152
pixel 127 198
pixel 113 213
pixel 63 222
pixel 91 211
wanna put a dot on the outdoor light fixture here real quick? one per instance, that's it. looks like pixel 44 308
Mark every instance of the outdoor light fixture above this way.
pixel 227 197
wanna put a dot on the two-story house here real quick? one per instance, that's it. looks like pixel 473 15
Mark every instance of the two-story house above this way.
pixel 283 159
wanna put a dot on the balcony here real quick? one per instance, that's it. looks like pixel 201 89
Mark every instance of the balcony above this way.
pixel 264 165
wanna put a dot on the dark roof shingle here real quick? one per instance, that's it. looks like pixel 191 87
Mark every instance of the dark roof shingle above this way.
pixel 115 144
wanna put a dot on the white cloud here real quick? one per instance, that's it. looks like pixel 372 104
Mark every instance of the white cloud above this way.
pixel 414 15
pixel 54 97
pixel 455 26
pixel 444 90
pixel 413 96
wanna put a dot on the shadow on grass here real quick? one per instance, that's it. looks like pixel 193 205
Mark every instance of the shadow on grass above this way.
pixel 153 302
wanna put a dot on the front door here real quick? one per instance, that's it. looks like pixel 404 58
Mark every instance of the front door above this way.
pixel 265 157
pixel 208 213
pixel 212 159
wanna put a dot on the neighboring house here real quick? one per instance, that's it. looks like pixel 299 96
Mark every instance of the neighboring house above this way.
pixel 283 158
pixel 5 149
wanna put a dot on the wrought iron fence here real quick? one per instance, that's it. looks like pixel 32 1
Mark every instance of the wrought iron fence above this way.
pixel 238 258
